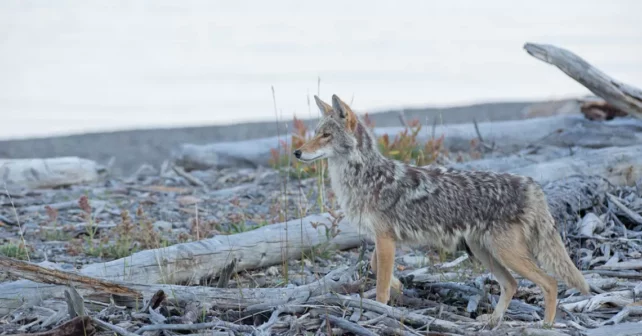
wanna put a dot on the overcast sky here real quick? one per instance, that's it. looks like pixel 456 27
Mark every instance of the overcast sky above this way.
pixel 76 66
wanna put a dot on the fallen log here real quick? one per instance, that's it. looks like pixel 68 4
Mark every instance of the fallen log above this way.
pixel 49 173
pixel 620 95
pixel 189 263
pixel 508 136
pixel 621 166
pixel 27 292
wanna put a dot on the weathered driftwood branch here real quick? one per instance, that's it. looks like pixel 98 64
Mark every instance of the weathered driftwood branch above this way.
pixel 265 246
pixel 620 165
pixel 395 313
pixel 49 173
pixel 618 94
pixel 559 131
pixel 33 272
pixel 15 294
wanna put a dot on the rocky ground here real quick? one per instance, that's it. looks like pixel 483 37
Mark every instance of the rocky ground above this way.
pixel 112 219
pixel 156 206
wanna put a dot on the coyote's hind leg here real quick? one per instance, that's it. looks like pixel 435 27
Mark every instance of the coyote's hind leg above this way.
pixel 512 251
pixel 506 281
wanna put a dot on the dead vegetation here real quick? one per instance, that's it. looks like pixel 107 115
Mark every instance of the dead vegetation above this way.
pixel 266 251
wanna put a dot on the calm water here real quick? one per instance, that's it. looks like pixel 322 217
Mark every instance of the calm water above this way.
pixel 77 66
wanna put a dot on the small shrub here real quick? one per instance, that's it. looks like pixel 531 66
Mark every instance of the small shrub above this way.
pixel 15 250
pixel 406 148
pixel 147 235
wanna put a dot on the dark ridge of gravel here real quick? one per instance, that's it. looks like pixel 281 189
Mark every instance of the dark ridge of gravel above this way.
pixel 152 146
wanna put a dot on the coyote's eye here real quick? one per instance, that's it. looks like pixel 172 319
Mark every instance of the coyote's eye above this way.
pixel 326 135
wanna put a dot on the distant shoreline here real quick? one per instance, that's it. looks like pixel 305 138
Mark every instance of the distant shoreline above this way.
pixel 132 148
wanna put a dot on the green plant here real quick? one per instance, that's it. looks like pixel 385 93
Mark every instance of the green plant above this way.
pixel 15 250
pixel 123 244
pixel 406 148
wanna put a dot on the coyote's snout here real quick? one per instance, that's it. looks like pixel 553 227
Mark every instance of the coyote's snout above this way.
pixel 502 219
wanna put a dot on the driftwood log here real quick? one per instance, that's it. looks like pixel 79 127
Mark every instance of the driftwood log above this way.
pixel 49 173
pixel 558 131
pixel 189 263
pixel 622 166
pixel 45 283
pixel 622 96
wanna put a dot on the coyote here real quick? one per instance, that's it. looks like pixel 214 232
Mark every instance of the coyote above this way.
pixel 501 219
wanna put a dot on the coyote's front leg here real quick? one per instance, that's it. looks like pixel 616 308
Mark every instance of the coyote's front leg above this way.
pixel 382 263
pixel 394 283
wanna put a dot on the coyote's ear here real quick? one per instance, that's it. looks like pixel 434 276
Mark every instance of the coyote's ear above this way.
pixel 344 112
pixel 325 108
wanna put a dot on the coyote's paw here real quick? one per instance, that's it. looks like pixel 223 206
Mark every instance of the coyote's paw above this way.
pixel 545 325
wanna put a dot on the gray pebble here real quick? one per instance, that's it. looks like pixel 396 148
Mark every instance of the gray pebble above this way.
pixel 163 226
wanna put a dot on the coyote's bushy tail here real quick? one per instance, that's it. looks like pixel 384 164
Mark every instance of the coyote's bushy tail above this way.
pixel 553 257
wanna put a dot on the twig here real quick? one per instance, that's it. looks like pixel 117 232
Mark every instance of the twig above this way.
pixel 473 302
pixel 626 275
pixel 226 273
pixel 109 326
pixel 348 326
pixel 620 266
pixel 402 119
pixel 374 320
pixel 265 327
pixel 196 326
pixel 481 139
pixel 191 179
pixel 455 262
pixel 75 303
pixel 155 300
pixel 630 309
pixel 399 332
pixel 629 213
pixel 396 313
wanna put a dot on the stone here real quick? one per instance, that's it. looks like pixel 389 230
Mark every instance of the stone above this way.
pixel 163 226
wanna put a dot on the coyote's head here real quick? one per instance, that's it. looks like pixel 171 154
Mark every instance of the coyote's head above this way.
pixel 334 135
